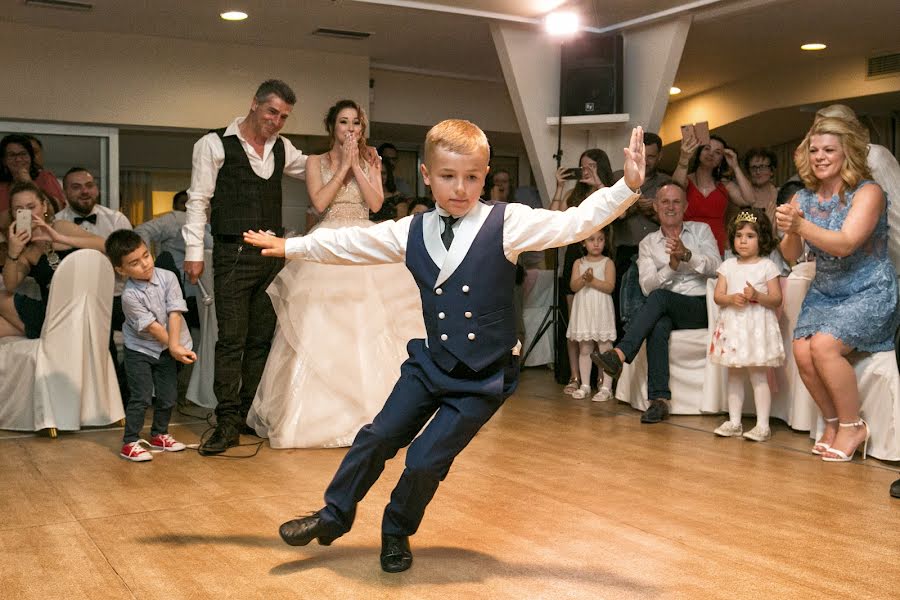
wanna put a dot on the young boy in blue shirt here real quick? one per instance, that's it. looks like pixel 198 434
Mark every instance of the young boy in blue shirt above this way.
pixel 155 337
pixel 462 256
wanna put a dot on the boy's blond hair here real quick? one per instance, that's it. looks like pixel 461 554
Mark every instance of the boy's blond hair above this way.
pixel 458 136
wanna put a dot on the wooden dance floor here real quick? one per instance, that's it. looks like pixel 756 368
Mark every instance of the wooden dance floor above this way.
pixel 555 498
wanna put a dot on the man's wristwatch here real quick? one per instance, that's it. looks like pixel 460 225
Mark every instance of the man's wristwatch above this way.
pixel 686 257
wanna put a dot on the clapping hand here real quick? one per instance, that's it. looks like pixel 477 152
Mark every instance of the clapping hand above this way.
pixel 739 300
pixel 675 248
pixel 788 218
pixel 635 160
pixel 588 276
pixel 750 292
pixel 270 244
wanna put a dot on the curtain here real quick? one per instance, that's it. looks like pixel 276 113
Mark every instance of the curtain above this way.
pixel 136 195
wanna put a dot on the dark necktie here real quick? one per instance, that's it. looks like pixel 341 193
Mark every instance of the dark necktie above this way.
pixel 92 219
pixel 447 235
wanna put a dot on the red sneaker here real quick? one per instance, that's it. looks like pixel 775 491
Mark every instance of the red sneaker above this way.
pixel 135 452
pixel 166 442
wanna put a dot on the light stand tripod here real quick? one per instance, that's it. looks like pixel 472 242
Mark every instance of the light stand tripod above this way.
pixel 554 317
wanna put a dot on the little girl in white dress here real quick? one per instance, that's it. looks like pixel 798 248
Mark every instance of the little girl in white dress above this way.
pixel 746 337
pixel 592 322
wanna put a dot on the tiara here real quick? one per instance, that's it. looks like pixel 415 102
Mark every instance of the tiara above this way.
pixel 745 216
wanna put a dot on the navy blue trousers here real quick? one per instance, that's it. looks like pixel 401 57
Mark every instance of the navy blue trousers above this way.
pixel 461 402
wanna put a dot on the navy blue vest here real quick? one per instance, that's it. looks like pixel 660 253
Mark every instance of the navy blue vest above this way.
pixel 243 199
pixel 469 318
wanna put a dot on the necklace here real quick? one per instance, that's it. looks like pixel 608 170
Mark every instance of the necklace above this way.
pixel 52 256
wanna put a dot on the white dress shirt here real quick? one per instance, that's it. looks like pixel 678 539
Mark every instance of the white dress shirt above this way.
pixel 208 158
pixel 690 277
pixel 108 220
pixel 524 229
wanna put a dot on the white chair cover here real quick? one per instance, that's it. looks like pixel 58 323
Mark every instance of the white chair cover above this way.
pixel 200 388
pixel 69 368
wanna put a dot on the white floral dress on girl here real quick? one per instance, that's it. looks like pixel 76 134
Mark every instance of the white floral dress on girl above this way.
pixel 748 336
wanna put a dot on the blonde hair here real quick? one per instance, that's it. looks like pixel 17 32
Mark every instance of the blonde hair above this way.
pixel 458 136
pixel 842 111
pixel 853 143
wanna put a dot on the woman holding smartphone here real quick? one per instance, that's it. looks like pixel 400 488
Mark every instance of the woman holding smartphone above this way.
pixel 596 172
pixel 34 250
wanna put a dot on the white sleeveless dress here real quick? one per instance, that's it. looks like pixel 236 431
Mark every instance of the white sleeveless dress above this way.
pixel 593 317
pixel 341 338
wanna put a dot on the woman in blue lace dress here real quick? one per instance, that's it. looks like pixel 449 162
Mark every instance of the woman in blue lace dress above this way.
pixel 852 302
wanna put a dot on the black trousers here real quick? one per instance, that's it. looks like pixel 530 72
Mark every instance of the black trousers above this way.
pixel 624 254
pixel 147 374
pixel 246 322
pixel 118 319
pixel 663 312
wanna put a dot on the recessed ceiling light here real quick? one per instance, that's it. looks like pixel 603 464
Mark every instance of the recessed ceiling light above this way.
pixel 813 46
pixel 234 15
pixel 564 22
pixel 674 90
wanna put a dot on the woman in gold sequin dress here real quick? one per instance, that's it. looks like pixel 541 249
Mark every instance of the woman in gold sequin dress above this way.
pixel 342 330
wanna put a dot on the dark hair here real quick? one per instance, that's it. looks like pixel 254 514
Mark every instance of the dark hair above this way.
pixel 604 174
pixel 385 146
pixel 695 160
pixel 651 138
pixel 15 138
pixel 74 170
pixel 763 228
pixel 179 199
pixel 787 191
pixel 759 153
pixel 277 87
pixel 120 244
pixel 428 204
pixel 330 121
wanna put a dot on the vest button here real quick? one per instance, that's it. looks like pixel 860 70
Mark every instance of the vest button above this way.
pixel 441 315
pixel 471 336
pixel 439 291
pixel 443 337
pixel 468 315
pixel 465 289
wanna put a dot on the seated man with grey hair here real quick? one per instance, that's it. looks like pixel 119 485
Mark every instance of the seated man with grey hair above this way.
pixel 674 264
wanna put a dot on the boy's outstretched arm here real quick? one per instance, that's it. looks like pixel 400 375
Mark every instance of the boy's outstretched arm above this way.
pixel 375 245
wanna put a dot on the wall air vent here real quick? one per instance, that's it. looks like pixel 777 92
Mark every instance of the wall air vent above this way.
pixel 883 66
pixel 344 34
pixel 61 4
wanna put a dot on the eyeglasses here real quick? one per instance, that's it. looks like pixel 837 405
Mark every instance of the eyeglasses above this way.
pixel 15 155
pixel 760 168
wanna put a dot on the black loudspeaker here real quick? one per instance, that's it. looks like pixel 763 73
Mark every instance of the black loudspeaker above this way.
pixel 591 73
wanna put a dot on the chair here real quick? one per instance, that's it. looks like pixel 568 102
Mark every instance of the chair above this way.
pixel 65 379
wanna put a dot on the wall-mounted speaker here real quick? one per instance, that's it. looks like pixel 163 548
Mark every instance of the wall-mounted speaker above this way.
pixel 591 73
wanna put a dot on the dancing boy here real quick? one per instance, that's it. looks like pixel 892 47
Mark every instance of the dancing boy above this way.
pixel 462 256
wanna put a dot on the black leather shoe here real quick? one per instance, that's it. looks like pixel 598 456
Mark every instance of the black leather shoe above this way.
pixel 247 430
pixel 300 532
pixel 396 556
pixel 609 361
pixel 656 412
pixel 223 437
pixel 895 489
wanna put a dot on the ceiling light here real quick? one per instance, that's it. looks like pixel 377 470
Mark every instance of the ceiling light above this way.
pixel 564 22
pixel 813 46
pixel 234 15
pixel 674 90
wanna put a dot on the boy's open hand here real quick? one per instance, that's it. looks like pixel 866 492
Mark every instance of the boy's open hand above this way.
pixel 635 162
pixel 271 245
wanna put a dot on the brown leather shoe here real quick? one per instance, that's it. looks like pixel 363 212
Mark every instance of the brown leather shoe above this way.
pixel 300 532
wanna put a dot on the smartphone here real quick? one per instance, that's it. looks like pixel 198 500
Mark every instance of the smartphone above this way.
pixel 687 131
pixel 23 220
pixel 701 131
pixel 574 173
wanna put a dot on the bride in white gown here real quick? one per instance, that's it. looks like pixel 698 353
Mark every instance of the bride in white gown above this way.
pixel 342 330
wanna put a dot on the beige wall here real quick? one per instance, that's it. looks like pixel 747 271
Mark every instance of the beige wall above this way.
pixel 826 79
pixel 418 99
pixel 149 81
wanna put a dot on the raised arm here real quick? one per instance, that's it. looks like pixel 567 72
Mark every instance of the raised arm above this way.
pixel 689 145
pixel 369 182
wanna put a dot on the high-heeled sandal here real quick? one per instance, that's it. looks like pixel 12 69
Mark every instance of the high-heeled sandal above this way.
pixel 820 448
pixel 842 456
pixel 573 385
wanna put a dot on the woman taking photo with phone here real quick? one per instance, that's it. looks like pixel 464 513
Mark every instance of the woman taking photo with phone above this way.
pixel 36 250
pixel 596 172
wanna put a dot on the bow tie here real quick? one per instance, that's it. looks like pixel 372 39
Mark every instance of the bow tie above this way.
pixel 92 219
pixel 447 235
